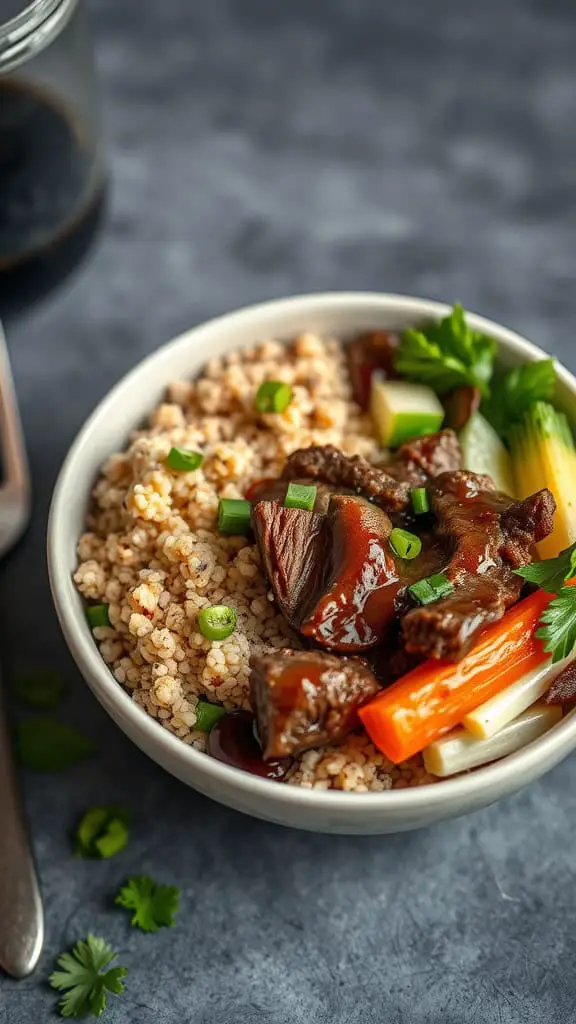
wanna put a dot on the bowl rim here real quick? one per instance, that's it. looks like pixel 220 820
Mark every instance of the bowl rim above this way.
pixel 488 779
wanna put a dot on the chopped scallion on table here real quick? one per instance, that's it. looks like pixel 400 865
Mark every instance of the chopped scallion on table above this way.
pixel 234 515
pixel 432 588
pixel 97 615
pixel 419 499
pixel 184 461
pixel 273 396
pixel 405 544
pixel 207 715
pixel 300 496
pixel 217 622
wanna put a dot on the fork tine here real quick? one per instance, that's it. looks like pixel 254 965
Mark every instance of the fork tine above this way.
pixel 15 463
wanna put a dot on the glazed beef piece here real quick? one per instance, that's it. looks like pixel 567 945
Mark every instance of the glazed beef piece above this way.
pixel 374 350
pixel 418 461
pixel 304 699
pixel 353 603
pixel 335 577
pixel 460 405
pixel 490 535
pixel 563 689
pixel 328 464
pixel 412 466
pixel 291 543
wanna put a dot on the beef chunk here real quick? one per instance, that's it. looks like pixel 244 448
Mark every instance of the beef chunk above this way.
pixel 304 699
pixel 374 350
pixel 417 461
pixel 352 472
pixel 490 534
pixel 460 405
pixel 291 545
pixel 355 597
pixel 563 689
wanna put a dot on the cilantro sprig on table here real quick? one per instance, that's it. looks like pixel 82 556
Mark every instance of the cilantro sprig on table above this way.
pixel 154 905
pixel 447 354
pixel 45 744
pixel 558 620
pixel 83 979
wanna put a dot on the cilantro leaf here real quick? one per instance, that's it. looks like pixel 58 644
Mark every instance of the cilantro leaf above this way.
pixel 154 905
pixel 558 624
pixel 46 745
pixel 447 354
pixel 82 980
pixel 39 688
pixel 551 574
pixel 515 391
pixel 102 832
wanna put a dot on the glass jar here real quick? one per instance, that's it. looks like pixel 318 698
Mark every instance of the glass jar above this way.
pixel 52 175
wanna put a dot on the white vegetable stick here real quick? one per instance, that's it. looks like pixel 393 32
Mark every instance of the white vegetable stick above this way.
pixel 487 719
pixel 459 750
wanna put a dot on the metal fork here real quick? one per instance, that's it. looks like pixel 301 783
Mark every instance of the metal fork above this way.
pixel 21 918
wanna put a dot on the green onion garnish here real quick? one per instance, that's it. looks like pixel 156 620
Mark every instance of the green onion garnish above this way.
pixel 300 496
pixel 419 499
pixel 184 461
pixel 217 622
pixel 273 396
pixel 432 588
pixel 405 544
pixel 207 715
pixel 97 615
pixel 234 515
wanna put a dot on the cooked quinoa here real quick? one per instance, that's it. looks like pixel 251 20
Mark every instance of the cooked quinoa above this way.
pixel 153 553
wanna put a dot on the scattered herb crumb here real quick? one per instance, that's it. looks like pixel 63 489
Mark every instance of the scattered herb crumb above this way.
pixel 102 832
pixel 44 744
pixel 154 905
pixel 39 688
pixel 83 980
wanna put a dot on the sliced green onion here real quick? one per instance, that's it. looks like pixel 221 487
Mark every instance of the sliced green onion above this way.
pixel 217 622
pixel 184 461
pixel 419 499
pixel 300 496
pixel 405 544
pixel 97 615
pixel 273 396
pixel 234 515
pixel 207 715
pixel 432 588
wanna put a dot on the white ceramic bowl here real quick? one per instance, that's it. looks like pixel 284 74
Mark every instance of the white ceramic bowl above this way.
pixel 107 430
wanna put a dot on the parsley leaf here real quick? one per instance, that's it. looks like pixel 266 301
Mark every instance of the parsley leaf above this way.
pixel 515 391
pixel 447 354
pixel 154 905
pixel 82 980
pixel 558 624
pixel 39 688
pixel 102 832
pixel 46 745
pixel 551 574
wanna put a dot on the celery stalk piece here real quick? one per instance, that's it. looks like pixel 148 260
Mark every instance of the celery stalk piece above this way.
pixel 458 751
pixel 484 452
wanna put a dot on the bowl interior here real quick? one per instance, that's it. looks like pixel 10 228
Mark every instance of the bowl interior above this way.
pixel 126 407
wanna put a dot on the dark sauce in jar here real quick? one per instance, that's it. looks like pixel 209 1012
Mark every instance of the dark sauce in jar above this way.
pixel 51 202
pixel 233 741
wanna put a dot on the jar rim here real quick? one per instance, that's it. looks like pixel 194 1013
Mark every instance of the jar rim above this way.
pixel 31 29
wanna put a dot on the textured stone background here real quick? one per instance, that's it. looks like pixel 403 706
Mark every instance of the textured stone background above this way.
pixel 260 149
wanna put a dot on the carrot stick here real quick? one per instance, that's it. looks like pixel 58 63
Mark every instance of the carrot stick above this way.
pixel 435 696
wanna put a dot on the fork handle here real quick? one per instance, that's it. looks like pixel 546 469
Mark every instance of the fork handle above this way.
pixel 21 918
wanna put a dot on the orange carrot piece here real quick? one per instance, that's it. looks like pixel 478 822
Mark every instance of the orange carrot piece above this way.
pixel 435 696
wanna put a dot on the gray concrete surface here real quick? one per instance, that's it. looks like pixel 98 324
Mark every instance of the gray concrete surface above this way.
pixel 260 149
